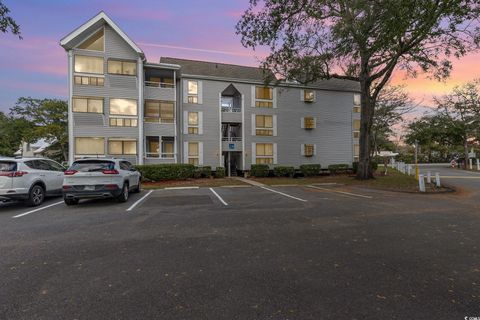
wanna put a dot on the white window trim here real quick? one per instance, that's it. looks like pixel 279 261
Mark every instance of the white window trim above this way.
pixel 302 95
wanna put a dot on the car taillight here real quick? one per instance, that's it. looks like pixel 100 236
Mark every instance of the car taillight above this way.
pixel 70 172
pixel 67 187
pixel 113 171
pixel 13 174
pixel 111 187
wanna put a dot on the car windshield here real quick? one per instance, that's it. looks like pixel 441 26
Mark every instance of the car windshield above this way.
pixel 8 166
pixel 92 166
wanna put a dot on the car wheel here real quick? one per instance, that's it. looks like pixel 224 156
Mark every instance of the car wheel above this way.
pixel 138 188
pixel 123 197
pixel 71 202
pixel 36 196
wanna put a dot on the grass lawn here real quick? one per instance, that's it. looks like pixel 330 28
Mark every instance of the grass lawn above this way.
pixel 205 182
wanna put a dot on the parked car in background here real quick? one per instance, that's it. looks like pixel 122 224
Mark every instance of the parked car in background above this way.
pixel 100 178
pixel 30 179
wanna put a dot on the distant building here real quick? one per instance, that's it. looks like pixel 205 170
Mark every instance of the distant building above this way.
pixel 36 149
pixel 203 113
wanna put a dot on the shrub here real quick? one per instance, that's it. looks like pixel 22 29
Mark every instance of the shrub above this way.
pixel 220 172
pixel 355 167
pixel 336 168
pixel 283 171
pixel 259 170
pixel 157 172
pixel 309 170
pixel 205 171
pixel 374 165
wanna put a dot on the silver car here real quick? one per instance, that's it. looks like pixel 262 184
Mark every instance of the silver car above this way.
pixel 30 179
pixel 100 178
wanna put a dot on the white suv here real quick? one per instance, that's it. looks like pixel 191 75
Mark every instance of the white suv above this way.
pixel 100 178
pixel 30 179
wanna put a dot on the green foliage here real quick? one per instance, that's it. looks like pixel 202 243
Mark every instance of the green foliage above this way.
pixel 283 171
pixel 355 166
pixel 7 24
pixel 202 172
pixel 220 172
pixel 310 170
pixel 158 172
pixel 12 132
pixel 337 168
pixel 259 170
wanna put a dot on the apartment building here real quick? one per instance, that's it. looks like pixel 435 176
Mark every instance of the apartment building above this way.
pixel 203 113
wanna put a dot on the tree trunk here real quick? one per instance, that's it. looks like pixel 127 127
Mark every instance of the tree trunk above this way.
pixel 364 170
pixel 465 146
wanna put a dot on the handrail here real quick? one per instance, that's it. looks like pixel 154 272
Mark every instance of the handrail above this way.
pixel 230 109
pixel 232 139
pixel 163 155
pixel 159 84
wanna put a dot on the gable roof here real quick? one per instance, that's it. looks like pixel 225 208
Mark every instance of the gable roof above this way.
pixel 68 42
pixel 221 70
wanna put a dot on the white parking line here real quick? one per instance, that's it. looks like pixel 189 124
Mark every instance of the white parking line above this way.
pixel 283 194
pixel 341 192
pixel 139 200
pixel 38 209
pixel 218 196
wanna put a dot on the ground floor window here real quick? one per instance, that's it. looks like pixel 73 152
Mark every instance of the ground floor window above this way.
pixel 152 147
pixel 356 152
pixel 193 153
pixel 89 146
pixel 264 153
pixel 168 148
pixel 309 150
pixel 122 147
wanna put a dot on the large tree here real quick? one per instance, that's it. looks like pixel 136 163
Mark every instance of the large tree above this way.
pixel 12 132
pixel 49 120
pixel 362 40
pixel 7 24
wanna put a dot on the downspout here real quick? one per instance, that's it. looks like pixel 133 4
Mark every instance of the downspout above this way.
pixel 140 111
pixel 70 109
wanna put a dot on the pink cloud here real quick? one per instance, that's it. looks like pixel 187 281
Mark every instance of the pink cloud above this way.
pixel 44 89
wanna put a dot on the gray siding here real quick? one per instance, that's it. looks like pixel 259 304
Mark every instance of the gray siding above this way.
pixel 166 94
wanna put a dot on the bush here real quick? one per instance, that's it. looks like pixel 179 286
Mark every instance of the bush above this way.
pixel 336 168
pixel 309 170
pixel 355 167
pixel 283 171
pixel 259 170
pixel 157 172
pixel 220 172
pixel 202 172
pixel 374 165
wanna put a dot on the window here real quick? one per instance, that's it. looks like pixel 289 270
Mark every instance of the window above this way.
pixel 86 64
pixel 357 99
pixel 308 95
pixel 93 105
pixel 159 111
pixel 263 97
pixel 89 81
pixel 357 109
pixel 153 147
pixel 193 123
pixel 168 150
pixel 264 153
pixel 127 147
pixel 193 153
pixel 192 96
pixel 309 123
pixel 263 125
pixel 124 107
pixel 89 146
pixel 95 42
pixel 356 128
pixel 309 150
pixel 356 152
pixel 123 122
pixel 122 67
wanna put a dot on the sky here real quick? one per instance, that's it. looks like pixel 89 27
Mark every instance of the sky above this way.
pixel 193 29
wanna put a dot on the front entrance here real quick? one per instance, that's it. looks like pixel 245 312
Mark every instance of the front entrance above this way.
pixel 232 162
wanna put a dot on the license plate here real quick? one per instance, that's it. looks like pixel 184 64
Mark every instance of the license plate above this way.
pixel 89 188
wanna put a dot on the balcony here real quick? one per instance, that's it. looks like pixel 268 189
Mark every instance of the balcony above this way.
pixel 159 84
pixel 232 144
pixel 156 155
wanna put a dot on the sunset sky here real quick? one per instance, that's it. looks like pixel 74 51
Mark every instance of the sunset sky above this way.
pixel 192 29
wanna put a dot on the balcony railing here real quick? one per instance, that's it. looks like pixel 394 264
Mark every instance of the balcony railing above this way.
pixel 230 109
pixel 162 155
pixel 156 84
pixel 232 139
pixel 159 120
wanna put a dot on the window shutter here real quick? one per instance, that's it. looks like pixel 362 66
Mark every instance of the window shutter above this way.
pixel 314 95
pixel 200 92
pixel 302 95
pixel 274 125
pixel 275 97
pixel 314 149
pixel 302 150
pixel 302 123
pixel 253 124
pixel 253 97
pixel 275 154
pixel 185 152
pixel 200 122
pixel 185 91
pixel 200 153
pixel 315 122
pixel 185 122
pixel 254 152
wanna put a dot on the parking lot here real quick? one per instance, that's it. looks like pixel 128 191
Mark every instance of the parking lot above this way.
pixel 249 252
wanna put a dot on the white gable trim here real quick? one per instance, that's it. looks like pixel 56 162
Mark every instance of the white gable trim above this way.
pixel 77 32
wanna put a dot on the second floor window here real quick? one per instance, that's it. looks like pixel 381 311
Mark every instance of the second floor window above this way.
pixel 124 107
pixel 92 105
pixel 193 123
pixel 122 67
pixel 263 125
pixel 88 64
pixel 192 91
pixel 309 123
pixel 159 111
pixel 356 128
pixel 308 95
pixel 263 97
